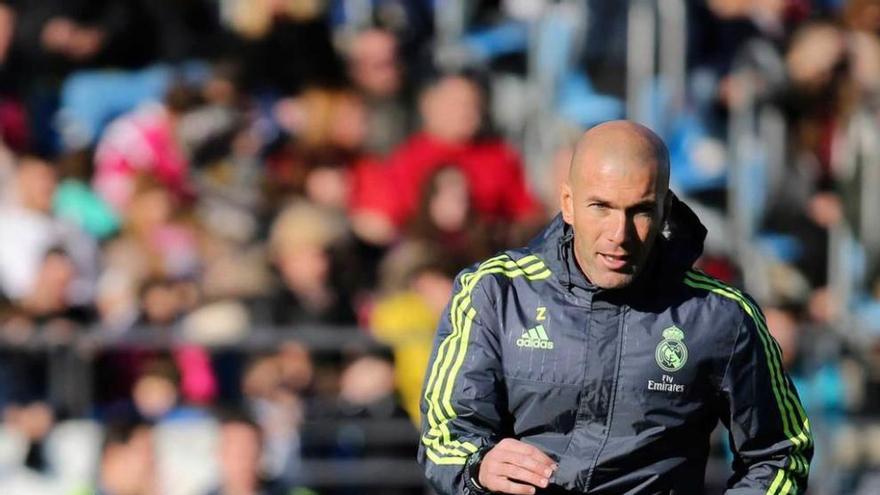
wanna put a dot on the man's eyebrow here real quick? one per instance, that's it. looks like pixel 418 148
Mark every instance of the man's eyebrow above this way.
pixel 648 204
pixel 597 200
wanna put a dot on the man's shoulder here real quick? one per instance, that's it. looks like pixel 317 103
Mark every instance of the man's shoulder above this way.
pixel 504 268
pixel 719 297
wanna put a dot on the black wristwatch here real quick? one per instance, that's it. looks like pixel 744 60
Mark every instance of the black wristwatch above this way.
pixel 472 472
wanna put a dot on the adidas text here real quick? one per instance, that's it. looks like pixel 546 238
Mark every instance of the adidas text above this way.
pixel 535 343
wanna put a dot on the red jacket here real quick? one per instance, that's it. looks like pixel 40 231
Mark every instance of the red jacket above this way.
pixel 492 167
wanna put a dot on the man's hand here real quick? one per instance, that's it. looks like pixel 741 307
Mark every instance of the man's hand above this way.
pixel 515 467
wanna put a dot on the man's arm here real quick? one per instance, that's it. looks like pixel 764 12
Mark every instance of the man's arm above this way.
pixel 462 403
pixel 461 413
pixel 769 431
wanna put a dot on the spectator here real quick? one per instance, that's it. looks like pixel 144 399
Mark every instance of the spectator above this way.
pixel 165 302
pixel 160 303
pixel 375 69
pixel 446 219
pixel 328 128
pixel 154 242
pixel 278 408
pixel 145 142
pixel 239 453
pixel 60 36
pixel 29 231
pixel 814 103
pixel 366 388
pixel 54 38
pixel 33 421
pixel 452 112
pixel 284 46
pixel 722 27
pixel 128 460
pixel 49 302
pixel 416 283
pixel 301 244
pixel 156 391
pixel 366 392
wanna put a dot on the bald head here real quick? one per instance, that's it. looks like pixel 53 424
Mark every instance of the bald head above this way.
pixel 616 200
pixel 621 143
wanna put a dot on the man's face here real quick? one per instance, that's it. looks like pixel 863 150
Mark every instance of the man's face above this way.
pixel 452 110
pixel 374 64
pixel 616 210
pixel 240 452
pixel 130 467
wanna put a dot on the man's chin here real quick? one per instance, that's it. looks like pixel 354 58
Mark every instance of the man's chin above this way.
pixel 614 280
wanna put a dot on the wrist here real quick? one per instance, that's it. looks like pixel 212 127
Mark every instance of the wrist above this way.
pixel 472 472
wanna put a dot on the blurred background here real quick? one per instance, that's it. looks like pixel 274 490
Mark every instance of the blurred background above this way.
pixel 228 227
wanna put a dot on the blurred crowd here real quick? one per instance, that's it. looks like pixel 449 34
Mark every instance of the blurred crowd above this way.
pixel 228 228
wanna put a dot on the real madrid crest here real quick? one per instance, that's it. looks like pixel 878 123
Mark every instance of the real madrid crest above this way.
pixel 671 352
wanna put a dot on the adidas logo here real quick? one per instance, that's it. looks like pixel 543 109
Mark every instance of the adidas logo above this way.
pixel 535 338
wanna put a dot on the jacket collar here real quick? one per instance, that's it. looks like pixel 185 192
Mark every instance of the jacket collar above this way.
pixel 679 245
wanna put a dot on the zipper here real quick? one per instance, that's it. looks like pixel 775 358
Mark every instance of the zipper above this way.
pixel 620 333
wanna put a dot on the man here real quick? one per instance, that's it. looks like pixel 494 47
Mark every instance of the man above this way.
pixel 128 460
pixel 239 450
pixel 37 248
pixel 376 71
pixel 596 360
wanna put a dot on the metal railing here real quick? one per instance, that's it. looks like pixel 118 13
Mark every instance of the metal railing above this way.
pixel 70 368
pixel 656 54
pixel 70 363
pixel 854 243
pixel 756 148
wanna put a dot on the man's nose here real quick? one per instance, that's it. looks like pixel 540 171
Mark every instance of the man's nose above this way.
pixel 622 229
pixel 619 229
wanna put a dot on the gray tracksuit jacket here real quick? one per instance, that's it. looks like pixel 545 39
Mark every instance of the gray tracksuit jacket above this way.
pixel 621 387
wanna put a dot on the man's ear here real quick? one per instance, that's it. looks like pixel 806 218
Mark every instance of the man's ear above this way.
pixel 566 203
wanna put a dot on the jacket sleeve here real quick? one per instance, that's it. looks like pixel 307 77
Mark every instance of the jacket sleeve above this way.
pixel 461 410
pixel 769 430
